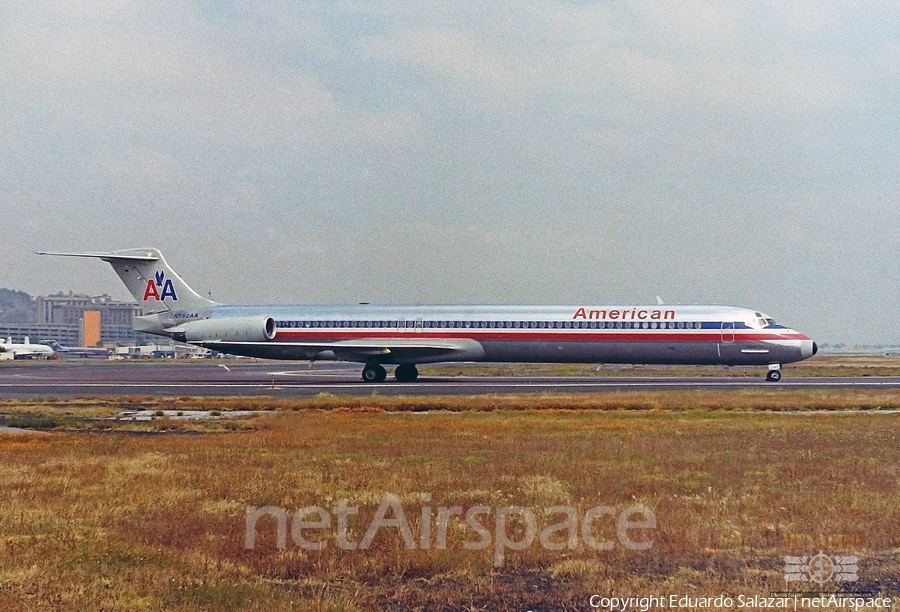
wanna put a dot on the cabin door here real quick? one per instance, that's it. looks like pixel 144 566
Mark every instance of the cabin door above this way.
pixel 727 332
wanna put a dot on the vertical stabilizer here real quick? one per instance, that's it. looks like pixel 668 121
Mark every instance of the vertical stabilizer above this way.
pixel 154 285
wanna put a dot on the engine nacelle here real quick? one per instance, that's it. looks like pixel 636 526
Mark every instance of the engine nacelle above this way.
pixel 229 329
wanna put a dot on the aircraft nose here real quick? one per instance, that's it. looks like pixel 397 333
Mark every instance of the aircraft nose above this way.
pixel 808 348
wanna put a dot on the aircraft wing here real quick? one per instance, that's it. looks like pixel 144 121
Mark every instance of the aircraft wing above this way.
pixel 395 350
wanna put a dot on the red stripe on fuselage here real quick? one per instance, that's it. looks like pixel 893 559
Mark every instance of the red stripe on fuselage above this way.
pixel 649 335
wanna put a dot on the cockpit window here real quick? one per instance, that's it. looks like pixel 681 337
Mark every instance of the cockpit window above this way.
pixel 761 322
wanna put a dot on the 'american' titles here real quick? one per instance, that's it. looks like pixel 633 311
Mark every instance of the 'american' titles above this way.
pixel 627 314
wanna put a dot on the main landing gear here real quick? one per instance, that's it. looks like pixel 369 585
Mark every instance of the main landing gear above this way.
pixel 375 373
pixel 406 372
pixel 774 375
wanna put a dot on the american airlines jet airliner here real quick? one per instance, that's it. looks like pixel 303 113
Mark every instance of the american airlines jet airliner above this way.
pixel 409 335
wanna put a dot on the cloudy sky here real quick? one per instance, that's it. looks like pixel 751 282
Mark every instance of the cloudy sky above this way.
pixel 739 152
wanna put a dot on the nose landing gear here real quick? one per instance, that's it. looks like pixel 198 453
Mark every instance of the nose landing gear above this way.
pixel 774 374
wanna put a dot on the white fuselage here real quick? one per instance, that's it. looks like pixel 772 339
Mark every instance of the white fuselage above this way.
pixel 24 350
pixel 663 334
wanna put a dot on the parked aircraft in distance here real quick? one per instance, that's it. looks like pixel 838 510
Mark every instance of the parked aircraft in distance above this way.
pixel 409 335
pixel 79 352
pixel 24 350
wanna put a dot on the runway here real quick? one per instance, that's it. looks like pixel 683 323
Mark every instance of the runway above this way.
pixel 297 379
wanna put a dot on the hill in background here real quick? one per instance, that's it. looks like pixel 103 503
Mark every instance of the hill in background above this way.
pixel 16 307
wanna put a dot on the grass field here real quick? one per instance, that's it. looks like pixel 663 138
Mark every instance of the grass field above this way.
pixel 158 521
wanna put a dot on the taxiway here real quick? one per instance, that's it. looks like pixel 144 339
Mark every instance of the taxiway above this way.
pixel 293 379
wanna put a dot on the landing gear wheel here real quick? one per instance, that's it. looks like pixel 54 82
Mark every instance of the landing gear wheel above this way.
pixel 406 372
pixel 374 373
pixel 773 376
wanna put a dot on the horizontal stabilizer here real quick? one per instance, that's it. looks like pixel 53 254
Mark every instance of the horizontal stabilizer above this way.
pixel 130 255
pixel 154 285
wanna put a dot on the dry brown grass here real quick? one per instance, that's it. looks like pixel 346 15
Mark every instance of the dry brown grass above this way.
pixel 114 521
pixel 99 412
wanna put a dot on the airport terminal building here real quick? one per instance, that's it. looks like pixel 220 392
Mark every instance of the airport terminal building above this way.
pixel 80 320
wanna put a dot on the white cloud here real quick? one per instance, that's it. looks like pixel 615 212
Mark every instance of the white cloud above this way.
pixel 458 150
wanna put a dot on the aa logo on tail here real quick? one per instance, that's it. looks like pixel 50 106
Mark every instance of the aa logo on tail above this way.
pixel 159 288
